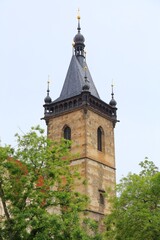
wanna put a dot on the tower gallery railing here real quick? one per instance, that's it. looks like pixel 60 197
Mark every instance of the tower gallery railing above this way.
pixel 83 99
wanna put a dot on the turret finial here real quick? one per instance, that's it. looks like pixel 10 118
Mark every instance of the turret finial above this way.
pixel 48 82
pixel 78 14
pixel 48 98
pixel 85 70
pixel 78 17
pixel 112 86
pixel 113 103
pixel 86 86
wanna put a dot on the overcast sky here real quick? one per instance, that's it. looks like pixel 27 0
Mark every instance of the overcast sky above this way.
pixel 122 43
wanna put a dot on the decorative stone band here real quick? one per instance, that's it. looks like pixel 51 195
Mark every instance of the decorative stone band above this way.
pixel 85 99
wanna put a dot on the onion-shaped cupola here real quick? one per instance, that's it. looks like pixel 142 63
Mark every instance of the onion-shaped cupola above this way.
pixel 113 102
pixel 79 40
pixel 48 99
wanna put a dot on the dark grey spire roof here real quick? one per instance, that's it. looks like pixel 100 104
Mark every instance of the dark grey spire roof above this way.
pixel 76 75
pixel 75 80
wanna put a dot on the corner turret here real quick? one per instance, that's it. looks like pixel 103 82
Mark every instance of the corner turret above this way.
pixel 48 99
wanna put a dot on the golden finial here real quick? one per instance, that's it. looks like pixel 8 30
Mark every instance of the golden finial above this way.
pixel 73 44
pixel 48 79
pixel 85 68
pixel 112 85
pixel 78 15
pixel 48 82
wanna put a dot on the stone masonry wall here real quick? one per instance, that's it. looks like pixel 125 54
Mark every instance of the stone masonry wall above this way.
pixel 96 167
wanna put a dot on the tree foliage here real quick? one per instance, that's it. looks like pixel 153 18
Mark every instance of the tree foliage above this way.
pixel 36 192
pixel 136 208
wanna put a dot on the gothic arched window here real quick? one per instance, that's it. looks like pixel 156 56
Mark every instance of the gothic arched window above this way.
pixel 67 133
pixel 101 197
pixel 100 140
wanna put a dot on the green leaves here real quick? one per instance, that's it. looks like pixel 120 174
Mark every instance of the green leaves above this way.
pixel 136 209
pixel 36 191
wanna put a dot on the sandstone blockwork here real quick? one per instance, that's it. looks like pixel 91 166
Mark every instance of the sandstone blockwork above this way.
pixel 97 167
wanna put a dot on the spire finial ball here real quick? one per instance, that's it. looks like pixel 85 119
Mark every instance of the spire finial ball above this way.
pixel 78 15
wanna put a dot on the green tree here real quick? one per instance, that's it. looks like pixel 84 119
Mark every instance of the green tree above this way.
pixel 135 213
pixel 36 192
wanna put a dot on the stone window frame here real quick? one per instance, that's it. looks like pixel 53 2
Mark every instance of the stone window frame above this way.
pixel 100 139
pixel 67 132
pixel 101 197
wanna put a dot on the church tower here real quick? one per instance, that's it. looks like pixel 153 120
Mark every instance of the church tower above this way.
pixel 81 116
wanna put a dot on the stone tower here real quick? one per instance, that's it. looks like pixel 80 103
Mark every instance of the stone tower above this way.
pixel 80 115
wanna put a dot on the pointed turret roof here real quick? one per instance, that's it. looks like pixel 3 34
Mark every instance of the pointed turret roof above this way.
pixel 75 78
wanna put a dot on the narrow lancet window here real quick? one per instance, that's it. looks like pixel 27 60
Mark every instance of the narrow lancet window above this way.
pixel 100 139
pixel 101 197
pixel 67 133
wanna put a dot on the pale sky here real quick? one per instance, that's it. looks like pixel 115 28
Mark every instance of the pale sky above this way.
pixel 122 43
